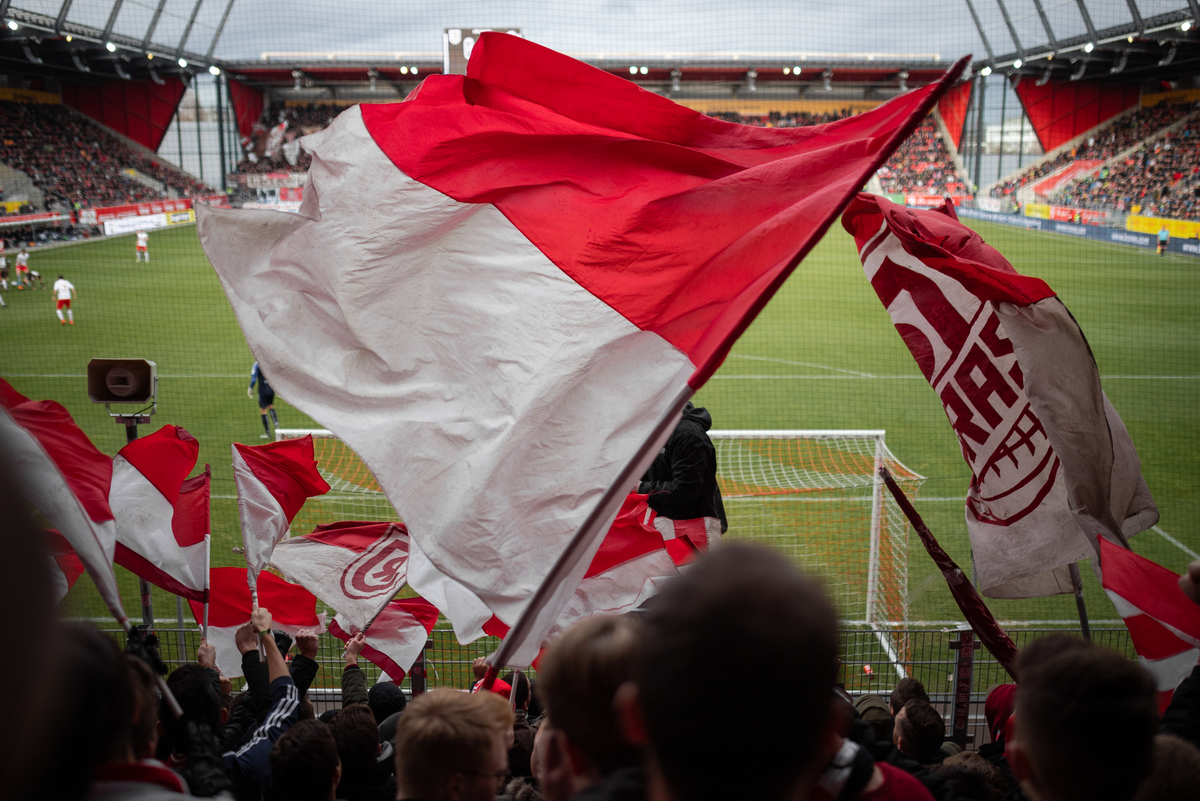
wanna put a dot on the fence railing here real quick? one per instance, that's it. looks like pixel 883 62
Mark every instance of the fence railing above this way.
pixel 868 666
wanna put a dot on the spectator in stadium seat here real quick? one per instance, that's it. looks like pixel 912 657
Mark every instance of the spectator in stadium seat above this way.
pixel 579 677
pixel 305 765
pixel 907 689
pixel 876 713
pixel 1084 723
pixel 919 732
pixel 746 605
pixel 522 747
pixel 450 745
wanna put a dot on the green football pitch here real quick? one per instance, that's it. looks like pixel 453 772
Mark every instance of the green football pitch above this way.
pixel 823 355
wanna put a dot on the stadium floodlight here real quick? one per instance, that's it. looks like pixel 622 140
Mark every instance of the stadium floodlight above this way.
pixel 644 70
pixel 1186 26
pixel 1089 47
pixel 149 55
pixel 633 70
pixel 412 70
pixel 787 70
pixel 986 71
pixel 214 70
pixel 12 25
pixel 795 70
pixel 1018 64
pixel 404 70
pixel 124 381
pixel 182 63
pixel 110 47
pixel 70 38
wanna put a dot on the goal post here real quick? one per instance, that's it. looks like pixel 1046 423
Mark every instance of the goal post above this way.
pixel 815 495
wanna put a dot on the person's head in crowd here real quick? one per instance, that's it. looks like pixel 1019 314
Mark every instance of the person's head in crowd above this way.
pixel 143 736
pixel 906 690
pixel 304 763
pixel 450 745
pixel 998 708
pixel 357 737
pixel 519 683
pixel 1084 723
pixel 964 784
pixel 975 763
pixel 919 731
pixel 875 712
pixel 200 699
pixel 578 677
pixel 1176 771
pixel 748 606
pixel 385 700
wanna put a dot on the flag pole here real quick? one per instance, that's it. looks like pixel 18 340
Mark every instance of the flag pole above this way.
pixel 978 615
pixel 207 583
pixel 584 537
pixel 1077 586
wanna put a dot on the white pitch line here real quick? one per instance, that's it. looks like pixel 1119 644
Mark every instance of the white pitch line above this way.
pixel 802 364
pixel 1175 542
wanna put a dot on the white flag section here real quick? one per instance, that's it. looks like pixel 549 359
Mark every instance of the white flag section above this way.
pixel 293 609
pixel 499 297
pixel 60 472
pixel 396 638
pixel 356 568
pixel 1052 465
pixel 148 477
pixel 273 481
pixel 1163 623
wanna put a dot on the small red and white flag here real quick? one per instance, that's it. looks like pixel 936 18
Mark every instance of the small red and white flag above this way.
pixel 1163 623
pixel 500 293
pixel 356 568
pixel 395 639
pixel 162 516
pixel 1052 465
pixel 273 481
pixel 65 565
pixel 293 609
pixel 58 470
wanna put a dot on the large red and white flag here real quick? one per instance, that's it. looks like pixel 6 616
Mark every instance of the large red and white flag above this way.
pixel 162 515
pixel 65 567
pixel 396 638
pixel 1163 623
pixel 293 609
pixel 1052 465
pixel 356 568
pixel 58 470
pixel 500 293
pixel 273 482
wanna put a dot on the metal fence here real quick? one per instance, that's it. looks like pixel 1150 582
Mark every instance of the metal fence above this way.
pixel 868 664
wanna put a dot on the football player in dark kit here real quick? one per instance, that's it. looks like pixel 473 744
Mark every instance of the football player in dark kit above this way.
pixel 266 399
pixel 682 485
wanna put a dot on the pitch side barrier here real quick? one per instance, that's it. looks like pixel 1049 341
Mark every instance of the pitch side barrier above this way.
pixel 1116 236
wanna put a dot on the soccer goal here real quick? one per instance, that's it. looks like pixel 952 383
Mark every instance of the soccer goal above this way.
pixel 814 495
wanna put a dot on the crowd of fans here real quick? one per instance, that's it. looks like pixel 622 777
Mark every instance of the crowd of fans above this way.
pixel 922 165
pixel 625 708
pixel 1120 136
pixel 78 164
pixel 301 120
pixel 1160 180
pixel 778 119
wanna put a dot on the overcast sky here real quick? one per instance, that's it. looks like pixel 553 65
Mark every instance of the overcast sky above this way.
pixel 615 27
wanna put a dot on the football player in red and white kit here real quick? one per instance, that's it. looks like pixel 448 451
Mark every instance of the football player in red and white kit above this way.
pixel 143 241
pixel 22 269
pixel 64 293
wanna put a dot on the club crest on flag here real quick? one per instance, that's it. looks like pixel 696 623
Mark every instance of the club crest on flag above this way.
pixel 376 571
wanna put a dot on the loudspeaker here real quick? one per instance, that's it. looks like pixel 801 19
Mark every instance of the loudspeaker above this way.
pixel 121 380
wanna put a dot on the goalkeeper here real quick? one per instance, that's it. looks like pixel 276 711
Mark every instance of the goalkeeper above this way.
pixel 266 399
pixel 682 485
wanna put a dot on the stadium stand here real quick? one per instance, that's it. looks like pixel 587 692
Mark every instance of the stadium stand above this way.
pixel 77 163
pixel 1106 144
pixel 777 119
pixel 301 120
pixel 922 165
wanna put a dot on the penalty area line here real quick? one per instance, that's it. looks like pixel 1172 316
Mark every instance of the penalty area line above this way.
pixel 1175 542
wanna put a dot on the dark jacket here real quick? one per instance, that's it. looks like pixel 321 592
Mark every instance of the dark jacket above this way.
pixel 249 767
pixel 682 481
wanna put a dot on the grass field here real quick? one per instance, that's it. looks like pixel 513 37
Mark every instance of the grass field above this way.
pixel 822 355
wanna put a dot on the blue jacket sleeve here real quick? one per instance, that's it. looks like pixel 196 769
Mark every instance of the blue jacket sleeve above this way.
pixel 249 767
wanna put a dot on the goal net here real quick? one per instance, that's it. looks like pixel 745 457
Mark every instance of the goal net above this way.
pixel 814 495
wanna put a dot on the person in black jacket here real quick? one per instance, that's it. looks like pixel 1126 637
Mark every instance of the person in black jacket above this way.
pixel 682 481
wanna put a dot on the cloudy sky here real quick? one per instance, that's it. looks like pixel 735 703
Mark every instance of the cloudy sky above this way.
pixel 615 27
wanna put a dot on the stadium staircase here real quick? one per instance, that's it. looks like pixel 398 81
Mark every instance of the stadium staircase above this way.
pixel 145 180
pixel 19 186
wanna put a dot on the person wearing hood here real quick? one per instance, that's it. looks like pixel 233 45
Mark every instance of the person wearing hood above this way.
pixel 682 485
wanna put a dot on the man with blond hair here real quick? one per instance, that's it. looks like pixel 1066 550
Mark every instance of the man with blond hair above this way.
pixel 450 747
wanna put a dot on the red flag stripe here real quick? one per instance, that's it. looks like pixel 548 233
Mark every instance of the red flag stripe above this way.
pixel 1152 639
pixel 287 469
pixel 1149 587
pixel 138 565
pixel 165 458
pixel 698 255
pixel 229 599
pixel 356 536
pixel 191 522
